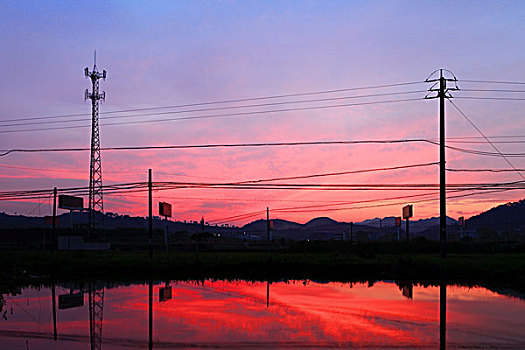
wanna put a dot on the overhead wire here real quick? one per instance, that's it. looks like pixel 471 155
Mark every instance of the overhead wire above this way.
pixel 218 145
pixel 217 108
pixel 316 175
pixel 481 133
pixel 492 82
pixel 218 115
pixel 321 92
pixel 262 144
pixel 490 98
pixel 308 209
pixel 494 90
pixel 160 186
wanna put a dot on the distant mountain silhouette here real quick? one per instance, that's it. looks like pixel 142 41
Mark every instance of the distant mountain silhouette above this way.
pixel 322 221
pixel 278 224
pixel 416 226
pixel 510 217
pixel 385 222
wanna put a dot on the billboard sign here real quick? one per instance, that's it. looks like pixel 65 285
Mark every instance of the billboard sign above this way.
pixel 165 209
pixel 398 221
pixel 408 211
pixel 70 202
pixel 165 293
pixel 461 221
pixel 69 301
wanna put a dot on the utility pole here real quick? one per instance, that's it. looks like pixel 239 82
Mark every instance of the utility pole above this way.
pixel 267 230
pixel 150 215
pixel 54 304
pixel 150 315
pixel 96 204
pixel 442 93
pixel 55 238
pixel 406 229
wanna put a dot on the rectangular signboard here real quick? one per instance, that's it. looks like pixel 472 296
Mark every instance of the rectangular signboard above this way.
pixel 165 293
pixel 408 211
pixel 398 221
pixel 408 291
pixel 69 301
pixel 49 220
pixel 164 209
pixel 70 202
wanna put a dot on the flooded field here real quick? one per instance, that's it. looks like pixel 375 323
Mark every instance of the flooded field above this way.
pixel 241 314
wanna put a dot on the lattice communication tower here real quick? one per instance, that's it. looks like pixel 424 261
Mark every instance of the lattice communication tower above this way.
pixel 96 204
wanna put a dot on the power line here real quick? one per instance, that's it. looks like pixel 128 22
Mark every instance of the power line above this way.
pixel 340 173
pixel 67 170
pixel 223 145
pixel 485 153
pixel 227 101
pixel 299 143
pixel 491 98
pixel 390 204
pixel 494 90
pixel 481 133
pixel 485 170
pixel 263 144
pixel 492 82
pixel 218 115
pixel 160 186
pixel 216 108
pixel 308 209
pixel 400 167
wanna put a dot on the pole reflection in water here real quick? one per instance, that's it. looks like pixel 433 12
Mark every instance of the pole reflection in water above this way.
pixel 268 293
pixel 443 316
pixel 54 303
pixel 150 311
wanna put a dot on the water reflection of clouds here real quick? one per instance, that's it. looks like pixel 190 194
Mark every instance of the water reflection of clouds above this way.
pixel 234 314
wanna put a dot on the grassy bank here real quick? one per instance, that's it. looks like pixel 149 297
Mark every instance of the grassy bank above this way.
pixel 474 269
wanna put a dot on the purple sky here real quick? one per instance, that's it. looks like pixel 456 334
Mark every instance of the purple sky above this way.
pixel 163 53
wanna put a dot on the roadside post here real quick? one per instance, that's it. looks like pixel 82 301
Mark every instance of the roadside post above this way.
pixel 398 225
pixel 267 230
pixel 55 238
pixel 165 210
pixel 461 225
pixel 408 212
pixel 150 216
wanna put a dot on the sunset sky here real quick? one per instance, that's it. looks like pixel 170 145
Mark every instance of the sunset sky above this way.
pixel 170 53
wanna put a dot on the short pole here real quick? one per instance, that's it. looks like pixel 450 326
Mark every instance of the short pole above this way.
pixel 267 230
pixel 166 235
pixel 54 311
pixel 55 239
pixel 407 221
pixel 150 219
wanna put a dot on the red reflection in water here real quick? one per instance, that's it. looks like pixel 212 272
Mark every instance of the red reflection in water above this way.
pixel 234 314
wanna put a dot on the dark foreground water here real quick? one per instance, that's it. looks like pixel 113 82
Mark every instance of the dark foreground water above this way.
pixel 295 314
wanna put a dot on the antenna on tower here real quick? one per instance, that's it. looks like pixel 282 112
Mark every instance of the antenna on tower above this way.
pixel 95 60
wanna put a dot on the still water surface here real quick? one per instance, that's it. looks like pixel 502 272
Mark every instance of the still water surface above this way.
pixel 240 314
